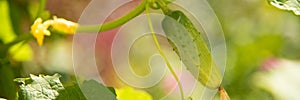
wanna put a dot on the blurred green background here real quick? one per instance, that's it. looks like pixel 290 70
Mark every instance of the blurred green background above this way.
pixel 258 37
pixel 262 44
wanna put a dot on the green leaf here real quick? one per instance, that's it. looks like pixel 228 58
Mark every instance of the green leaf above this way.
pixel 191 48
pixel 7 86
pixel 19 52
pixel 96 91
pixel 39 87
pixel 112 90
pixel 6 31
pixel 71 93
pixel 290 5
pixel 93 90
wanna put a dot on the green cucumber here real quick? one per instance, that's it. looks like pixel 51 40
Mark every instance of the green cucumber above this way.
pixel 189 45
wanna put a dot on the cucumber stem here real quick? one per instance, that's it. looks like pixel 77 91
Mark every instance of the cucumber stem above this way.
pixel 115 23
pixel 163 6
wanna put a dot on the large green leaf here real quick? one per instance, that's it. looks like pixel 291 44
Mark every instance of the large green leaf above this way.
pixel 72 92
pixel 7 86
pixel 96 91
pixel 92 89
pixel 39 87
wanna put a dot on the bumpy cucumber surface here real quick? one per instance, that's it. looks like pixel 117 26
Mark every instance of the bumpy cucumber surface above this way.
pixel 188 43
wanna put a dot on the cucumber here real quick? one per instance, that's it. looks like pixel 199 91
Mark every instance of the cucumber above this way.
pixel 189 45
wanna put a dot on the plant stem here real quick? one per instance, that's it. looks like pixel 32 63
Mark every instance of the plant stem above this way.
pixel 23 37
pixel 115 23
pixel 41 8
pixel 162 53
pixel 163 6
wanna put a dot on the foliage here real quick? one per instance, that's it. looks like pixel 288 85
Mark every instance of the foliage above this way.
pixel 50 87
pixel 292 5
pixel 19 52
pixel 7 86
pixel 39 87
pixel 72 92
pixel 254 31
pixel 93 91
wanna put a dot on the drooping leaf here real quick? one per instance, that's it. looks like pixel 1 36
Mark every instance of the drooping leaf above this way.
pixel 7 86
pixel 96 91
pixel 39 87
pixel 191 48
pixel 92 89
pixel 71 93
pixel 291 5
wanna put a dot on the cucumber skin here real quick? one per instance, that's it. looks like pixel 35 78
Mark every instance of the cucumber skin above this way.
pixel 209 75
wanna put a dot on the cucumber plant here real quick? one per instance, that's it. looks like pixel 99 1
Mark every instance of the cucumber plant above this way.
pixel 182 35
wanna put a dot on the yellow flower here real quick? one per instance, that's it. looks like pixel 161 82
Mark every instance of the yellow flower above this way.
pixel 128 93
pixel 39 30
pixel 63 25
